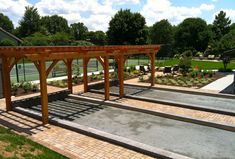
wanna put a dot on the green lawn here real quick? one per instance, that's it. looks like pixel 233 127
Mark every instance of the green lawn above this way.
pixel 13 146
pixel 206 65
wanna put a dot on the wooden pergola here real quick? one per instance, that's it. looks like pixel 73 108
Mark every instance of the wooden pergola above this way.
pixel 39 55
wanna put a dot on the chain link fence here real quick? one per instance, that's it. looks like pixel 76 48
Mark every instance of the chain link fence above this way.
pixel 26 70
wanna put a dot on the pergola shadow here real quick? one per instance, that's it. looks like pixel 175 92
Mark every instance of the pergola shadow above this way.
pixel 20 123
pixel 69 109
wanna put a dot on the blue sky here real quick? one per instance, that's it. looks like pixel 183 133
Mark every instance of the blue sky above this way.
pixel 96 14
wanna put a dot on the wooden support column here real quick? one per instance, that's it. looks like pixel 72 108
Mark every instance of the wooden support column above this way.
pixel 121 75
pixel 153 69
pixel 43 89
pixel 69 74
pixel 85 78
pixel 7 83
pixel 106 77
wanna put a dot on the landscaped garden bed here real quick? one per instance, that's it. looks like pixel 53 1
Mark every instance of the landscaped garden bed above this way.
pixel 18 147
pixel 194 79
pixel 23 88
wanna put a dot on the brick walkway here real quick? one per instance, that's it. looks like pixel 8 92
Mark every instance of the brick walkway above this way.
pixel 66 142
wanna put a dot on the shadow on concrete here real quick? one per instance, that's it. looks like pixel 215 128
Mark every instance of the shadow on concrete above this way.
pixel 69 109
pixel 229 90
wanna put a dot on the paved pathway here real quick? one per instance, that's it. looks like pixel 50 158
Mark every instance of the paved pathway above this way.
pixel 220 84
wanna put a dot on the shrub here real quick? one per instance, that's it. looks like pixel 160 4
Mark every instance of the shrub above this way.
pixel 26 86
pixel 141 78
pixel 185 61
pixel 14 87
pixel 223 70
pixel 34 87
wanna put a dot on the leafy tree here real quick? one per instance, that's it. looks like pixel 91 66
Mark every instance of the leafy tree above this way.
pixel 232 27
pixel 97 37
pixel 127 28
pixel 227 42
pixel 36 39
pixel 79 31
pixel 60 39
pixel 55 24
pixel 185 61
pixel 30 23
pixel 221 25
pixel 161 33
pixel 192 33
pixel 6 23
pixel 81 43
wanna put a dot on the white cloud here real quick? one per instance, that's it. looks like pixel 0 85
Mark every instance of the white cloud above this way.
pixel 13 9
pixel 156 10
pixel 97 14
pixel 207 7
pixel 121 2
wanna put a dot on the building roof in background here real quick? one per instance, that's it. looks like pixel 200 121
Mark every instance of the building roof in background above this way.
pixel 11 35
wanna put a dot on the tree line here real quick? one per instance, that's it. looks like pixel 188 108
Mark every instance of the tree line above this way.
pixel 127 28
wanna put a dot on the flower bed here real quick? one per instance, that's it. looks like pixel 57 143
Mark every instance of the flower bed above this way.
pixel 23 88
pixel 195 79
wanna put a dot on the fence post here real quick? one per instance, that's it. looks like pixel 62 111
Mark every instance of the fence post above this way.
pixel 24 70
pixel 17 73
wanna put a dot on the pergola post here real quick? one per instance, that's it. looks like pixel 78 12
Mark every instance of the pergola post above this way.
pixel 69 74
pixel 153 69
pixel 121 75
pixel 85 78
pixel 7 83
pixel 106 77
pixel 43 89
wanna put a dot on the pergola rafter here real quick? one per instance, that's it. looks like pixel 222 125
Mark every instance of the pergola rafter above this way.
pixel 39 55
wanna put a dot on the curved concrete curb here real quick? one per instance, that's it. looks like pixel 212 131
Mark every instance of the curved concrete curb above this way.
pixel 118 140
pixel 218 125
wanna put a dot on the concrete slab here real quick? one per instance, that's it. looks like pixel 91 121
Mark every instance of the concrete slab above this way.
pixel 187 139
pixel 220 84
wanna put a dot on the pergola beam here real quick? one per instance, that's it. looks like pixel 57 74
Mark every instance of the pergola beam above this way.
pixel 43 89
pixel 121 75
pixel 106 77
pixel 69 74
pixel 85 77
pixel 7 82
pixel 51 67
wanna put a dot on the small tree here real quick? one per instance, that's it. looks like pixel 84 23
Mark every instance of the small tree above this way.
pixel 226 61
pixel 185 62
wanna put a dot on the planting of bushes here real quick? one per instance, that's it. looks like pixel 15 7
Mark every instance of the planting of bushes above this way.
pixel 25 87
pixel 196 79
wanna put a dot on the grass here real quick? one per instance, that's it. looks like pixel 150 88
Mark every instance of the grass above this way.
pixel 205 65
pixel 13 146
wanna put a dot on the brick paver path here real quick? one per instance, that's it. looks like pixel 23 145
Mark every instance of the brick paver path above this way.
pixel 66 142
